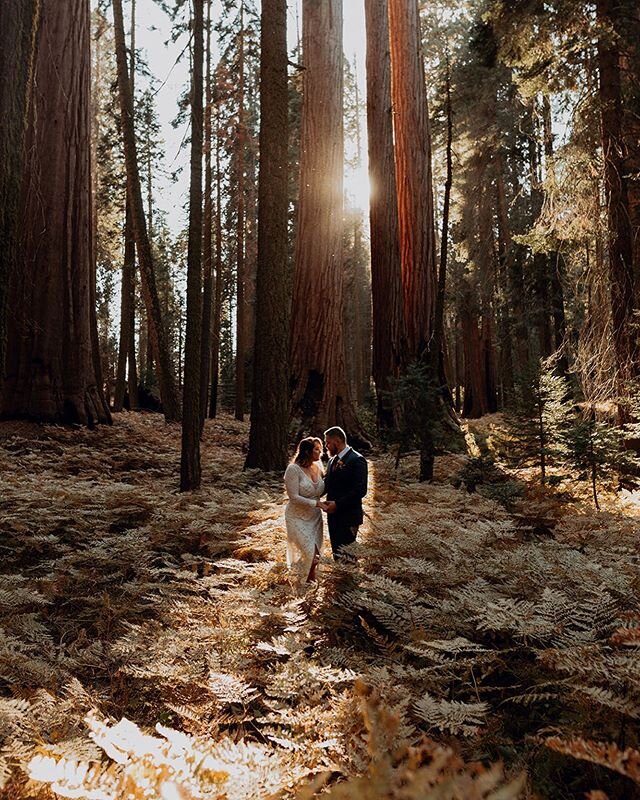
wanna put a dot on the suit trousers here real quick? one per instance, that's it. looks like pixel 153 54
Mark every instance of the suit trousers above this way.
pixel 341 534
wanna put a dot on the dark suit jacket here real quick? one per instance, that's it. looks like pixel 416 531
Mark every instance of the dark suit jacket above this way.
pixel 346 484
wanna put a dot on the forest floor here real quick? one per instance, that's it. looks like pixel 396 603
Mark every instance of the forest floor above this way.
pixel 483 645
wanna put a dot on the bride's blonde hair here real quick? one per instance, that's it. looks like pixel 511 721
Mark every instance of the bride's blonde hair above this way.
pixel 304 453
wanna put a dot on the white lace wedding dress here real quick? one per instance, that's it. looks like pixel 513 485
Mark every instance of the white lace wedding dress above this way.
pixel 303 519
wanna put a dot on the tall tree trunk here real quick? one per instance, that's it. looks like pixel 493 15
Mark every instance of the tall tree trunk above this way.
pixel 514 280
pixel 541 261
pixel 157 333
pixel 631 28
pixel 413 175
pixel 556 259
pixel 127 291
pixel 217 301
pixel 620 235
pixel 240 234
pixel 438 324
pixel 362 297
pixel 415 207
pixel 51 372
pixel 207 253
pixel 270 397
pixel 18 26
pixel 386 281
pixel 190 470
pixel 321 393
pixel 474 405
pixel 127 312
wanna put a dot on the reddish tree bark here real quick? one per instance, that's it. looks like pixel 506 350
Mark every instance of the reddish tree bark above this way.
pixel 320 390
pixel 620 235
pixel 51 370
pixel 386 279
pixel 18 26
pixel 413 175
pixel 270 397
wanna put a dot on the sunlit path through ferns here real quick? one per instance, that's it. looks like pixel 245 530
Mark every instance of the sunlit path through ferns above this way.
pixel 122 598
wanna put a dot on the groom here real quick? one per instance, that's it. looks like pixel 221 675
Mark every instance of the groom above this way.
pixel 346 485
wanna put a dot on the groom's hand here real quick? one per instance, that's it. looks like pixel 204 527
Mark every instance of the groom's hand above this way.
pixel 330 506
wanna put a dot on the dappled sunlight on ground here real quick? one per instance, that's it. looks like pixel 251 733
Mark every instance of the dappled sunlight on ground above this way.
pixel 457 619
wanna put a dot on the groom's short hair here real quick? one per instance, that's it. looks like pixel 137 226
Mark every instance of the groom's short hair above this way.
pixel 336 433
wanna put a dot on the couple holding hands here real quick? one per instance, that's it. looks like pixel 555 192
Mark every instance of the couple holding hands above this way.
pixel 344 483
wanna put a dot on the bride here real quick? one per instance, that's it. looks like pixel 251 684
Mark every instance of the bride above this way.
pixel 304 483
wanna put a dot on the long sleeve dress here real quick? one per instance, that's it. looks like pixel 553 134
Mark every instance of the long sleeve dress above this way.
pixel 303 519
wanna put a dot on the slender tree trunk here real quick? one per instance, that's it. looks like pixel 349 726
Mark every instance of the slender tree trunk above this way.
pixel 362 299
pixel 620 244
pixel 127 302
pixel 217 301
pixel 18 26
pixel 386 281
pixel 157 333
pixel 542 437
pixel 321 395
pixel 127 293
pixel 207 254
pixel 458 368
pixel 512 270
pixel 190 470
pixel 541 261
pixel 438 325
pixel 556 259
pixel 241 344
pixel 362 338
pixel 413 175
pixel 132 372
pixel 268 437
pixel 51 371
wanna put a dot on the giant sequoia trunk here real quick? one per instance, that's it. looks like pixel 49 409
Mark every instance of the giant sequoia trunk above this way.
pixel 18 25
pixel 632 132
pixel 190 471
pixel 620 234
pixel 415 211
pixel 386 281
pixel 413 175
pixel 158 340
pixel 51 371
pixel 270 397
pixel 321 395
pixel 480 394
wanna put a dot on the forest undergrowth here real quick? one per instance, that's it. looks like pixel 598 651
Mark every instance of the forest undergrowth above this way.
pixel 152 645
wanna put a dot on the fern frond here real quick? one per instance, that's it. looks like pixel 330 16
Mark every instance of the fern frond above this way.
pixel 451 716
